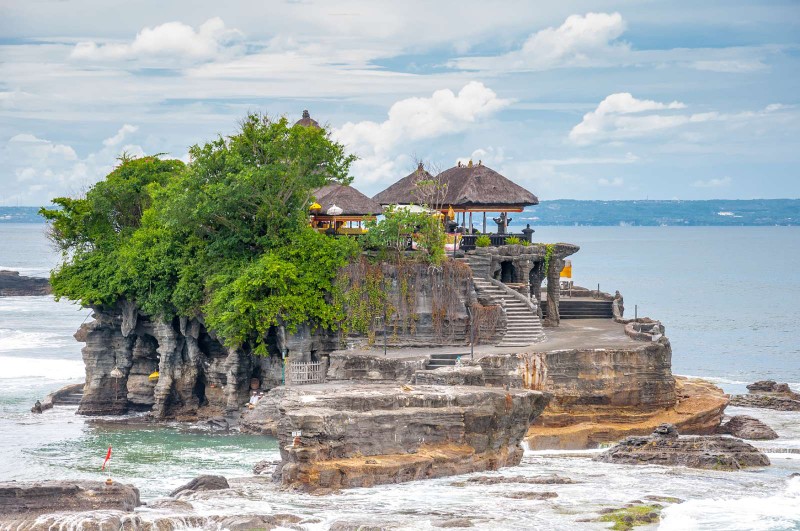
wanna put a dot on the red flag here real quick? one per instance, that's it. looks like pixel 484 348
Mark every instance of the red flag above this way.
pixel 108 456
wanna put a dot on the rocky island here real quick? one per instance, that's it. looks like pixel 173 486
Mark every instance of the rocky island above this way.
pixel 402 348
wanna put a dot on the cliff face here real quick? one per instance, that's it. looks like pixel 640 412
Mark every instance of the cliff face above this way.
pixel 354 436
pixel 194 369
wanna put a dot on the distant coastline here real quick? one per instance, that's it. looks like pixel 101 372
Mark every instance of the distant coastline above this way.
pixel 645 213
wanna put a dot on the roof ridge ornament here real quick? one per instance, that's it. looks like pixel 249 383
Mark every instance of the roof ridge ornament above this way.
pixel 306 114
pixel 469 165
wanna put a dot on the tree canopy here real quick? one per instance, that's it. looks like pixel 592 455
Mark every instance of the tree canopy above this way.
pixel 225 236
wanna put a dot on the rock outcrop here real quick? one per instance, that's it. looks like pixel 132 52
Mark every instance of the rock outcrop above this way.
pixel 204 482
pixel 24 501
pixel 12 284
pixel 768 394
pixel 747 427
pixel 666 447
pixel 355 436
pixel 698 410
pixel 175 368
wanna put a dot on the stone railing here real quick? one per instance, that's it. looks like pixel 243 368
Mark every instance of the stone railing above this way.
pixel 497 240
pixel 305 372
pixel 531 304
pixel 644 329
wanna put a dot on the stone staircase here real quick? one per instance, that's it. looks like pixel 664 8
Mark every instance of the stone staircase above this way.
pixel 71 399
pixel 442 360
pixel 523 325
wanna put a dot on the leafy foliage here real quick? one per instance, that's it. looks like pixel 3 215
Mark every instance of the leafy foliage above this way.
pixel 225 235
pixel 400 224
pixel 512 240
pixel 483 241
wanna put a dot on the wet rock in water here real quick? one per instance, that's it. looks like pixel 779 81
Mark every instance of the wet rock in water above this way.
pixel 265 468
pixel 204 482
pixel 344 525
pixel 170 504
pixel 32 498
pixel 12 284
pixel 768 394
pixel 747 427
pixel 537 480
pixel 631 516
pixel 254 521
pixel 713 452
pixel 454 523
pixel 531 495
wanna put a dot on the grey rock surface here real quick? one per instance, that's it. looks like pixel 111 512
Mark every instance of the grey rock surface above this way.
pixel 713 452
pixel 747 427
pixel 12 284
pixel 29 499
pixel 204 482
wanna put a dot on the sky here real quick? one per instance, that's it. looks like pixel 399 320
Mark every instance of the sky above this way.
pixel 571 99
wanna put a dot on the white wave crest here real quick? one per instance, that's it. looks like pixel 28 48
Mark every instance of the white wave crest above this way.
pixel 15 340
pixel 781 511
pixel 50 369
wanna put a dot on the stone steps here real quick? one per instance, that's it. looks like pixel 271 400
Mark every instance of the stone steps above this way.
pixel 442 360
pixel 581 309
pixel 523 326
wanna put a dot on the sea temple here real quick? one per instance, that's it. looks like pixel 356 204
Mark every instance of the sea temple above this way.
pixel 458 338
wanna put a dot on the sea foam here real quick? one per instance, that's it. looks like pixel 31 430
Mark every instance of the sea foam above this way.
pixel 51 369
pixel 780 511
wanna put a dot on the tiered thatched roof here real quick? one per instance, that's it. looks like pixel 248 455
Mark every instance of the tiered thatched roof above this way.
pixel 468 187
pixel 307 121
pixel 352 202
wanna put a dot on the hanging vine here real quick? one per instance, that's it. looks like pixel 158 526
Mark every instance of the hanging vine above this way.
pixel 485 321
pixel 363 291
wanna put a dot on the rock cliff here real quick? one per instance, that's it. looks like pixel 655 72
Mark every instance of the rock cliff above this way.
pixel 194 370
pixel 12 284
pixel 369 434
pixel 768 394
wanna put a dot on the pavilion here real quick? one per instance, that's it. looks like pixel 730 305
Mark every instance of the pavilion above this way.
pixel 466 188
pixel 340 203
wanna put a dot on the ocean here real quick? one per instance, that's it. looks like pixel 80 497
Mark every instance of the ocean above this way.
pixel 728 297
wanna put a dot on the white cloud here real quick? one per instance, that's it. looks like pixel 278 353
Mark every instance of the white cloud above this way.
pixel 120 136
pixel 615 182
pixel 628 158
pixel 577 42
pixel 713 183
pixel 621 115
pixel 734 66
pixel 171 40
pixel 38 148
pixel 43 169
pixel 414 119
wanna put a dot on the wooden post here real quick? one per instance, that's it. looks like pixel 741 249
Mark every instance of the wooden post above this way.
pixel 484 222
pixel 470 223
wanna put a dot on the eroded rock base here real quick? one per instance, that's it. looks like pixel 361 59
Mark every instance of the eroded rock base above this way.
pixel 698 411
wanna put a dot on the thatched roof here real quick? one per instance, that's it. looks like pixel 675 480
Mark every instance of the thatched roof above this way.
pixel 307 121
pixel 405 191
pixel 351 201
pixel 467 186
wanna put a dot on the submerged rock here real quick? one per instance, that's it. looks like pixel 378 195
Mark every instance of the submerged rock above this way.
pixel 665 447
pixel 768 394
pixel 747 427
pixel 12 284
pixel 537 480
pixel 357 436
pixel 30 499
pixel 204 482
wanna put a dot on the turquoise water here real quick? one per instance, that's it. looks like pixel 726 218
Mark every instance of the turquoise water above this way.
pixel 728 297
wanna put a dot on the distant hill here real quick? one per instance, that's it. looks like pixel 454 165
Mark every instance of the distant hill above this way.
pixel 715 212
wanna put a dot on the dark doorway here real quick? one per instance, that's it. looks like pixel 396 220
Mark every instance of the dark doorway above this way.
pixel 506 272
